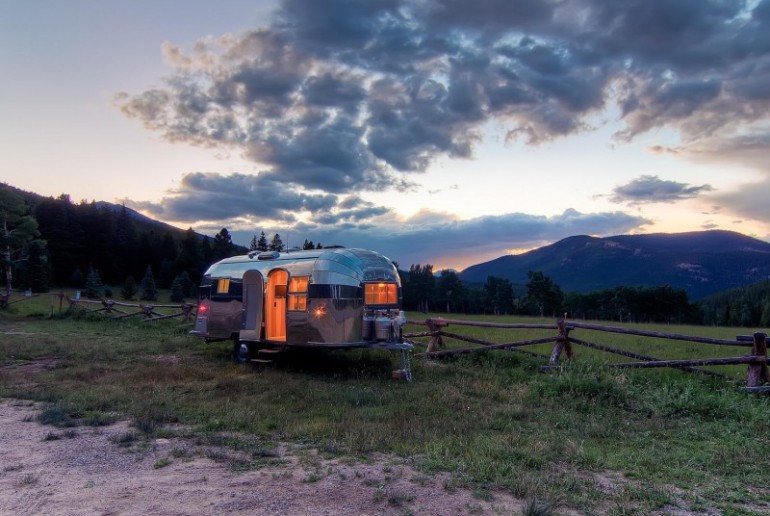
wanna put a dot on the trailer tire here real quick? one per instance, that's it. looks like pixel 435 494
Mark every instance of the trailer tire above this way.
pixel 242 352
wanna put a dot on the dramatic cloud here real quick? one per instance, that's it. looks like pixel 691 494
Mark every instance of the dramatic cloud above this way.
pixel 463 242
pixel 211 196
pixel 343 97
pixel 652 189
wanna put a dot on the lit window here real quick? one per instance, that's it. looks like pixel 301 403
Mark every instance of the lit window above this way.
pixel 223 286
pixel 381 293
pixel 298 293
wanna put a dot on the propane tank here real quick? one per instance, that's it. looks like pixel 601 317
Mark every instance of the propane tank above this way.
pixel 382 325
pixel 367 331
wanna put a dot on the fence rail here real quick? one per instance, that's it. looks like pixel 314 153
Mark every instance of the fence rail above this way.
pixel 110 308
pixel 757 377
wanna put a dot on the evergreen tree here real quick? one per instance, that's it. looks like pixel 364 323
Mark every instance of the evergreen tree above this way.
pixel 129 289
pixel 17 230
pixel 764 320
pixel 38 269
pixel 124 244
pixel 308 245
pixel 276 244
pixel 223 245
pixel 450 292
pixel 94 285
pixel 253 243
pixel 165 274
pixel 319 246
pixel 206 258
pixel 148 287
pixel 262 242
pixel 190 258
pixel 419 288
pixel 64 237
pixel 177 290
pixel 544 297
pixel 189 289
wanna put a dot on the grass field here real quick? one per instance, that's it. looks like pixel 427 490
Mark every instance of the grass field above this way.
pixel 491 419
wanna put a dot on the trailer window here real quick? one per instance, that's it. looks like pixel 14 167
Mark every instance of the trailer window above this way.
pixel 223 285
pixel 298 293
pixel 381 293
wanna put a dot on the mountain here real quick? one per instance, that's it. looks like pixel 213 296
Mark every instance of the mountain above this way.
pixel 701 263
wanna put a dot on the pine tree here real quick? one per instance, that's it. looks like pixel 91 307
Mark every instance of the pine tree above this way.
pixel 189 288
pixel 94 285
pixel 262 242
pixel 223 245
pixel 177 290
pixel 148 287
pixel 276 244
pixel 38 269
pixel 17 229
pixel 129 288
pixel 253 243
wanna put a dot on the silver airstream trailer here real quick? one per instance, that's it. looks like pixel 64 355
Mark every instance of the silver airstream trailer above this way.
pixel 324 298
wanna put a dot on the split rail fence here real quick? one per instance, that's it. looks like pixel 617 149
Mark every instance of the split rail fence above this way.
pixel 119 310
pixel 757 376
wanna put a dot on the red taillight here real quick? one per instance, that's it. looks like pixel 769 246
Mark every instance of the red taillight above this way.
pixel 203 308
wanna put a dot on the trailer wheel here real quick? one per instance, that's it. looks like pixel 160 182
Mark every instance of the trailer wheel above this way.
pixel 242 352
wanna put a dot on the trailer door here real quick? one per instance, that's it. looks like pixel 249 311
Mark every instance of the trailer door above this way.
pixel 253 290
pixel 275 302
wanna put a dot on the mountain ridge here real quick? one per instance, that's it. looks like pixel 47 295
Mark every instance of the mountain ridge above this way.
pixel 699 262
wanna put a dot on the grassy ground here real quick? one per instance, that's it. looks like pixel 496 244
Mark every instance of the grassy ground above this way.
pixel 585 437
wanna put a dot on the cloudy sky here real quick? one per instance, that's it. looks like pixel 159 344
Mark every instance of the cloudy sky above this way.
pixel 447 132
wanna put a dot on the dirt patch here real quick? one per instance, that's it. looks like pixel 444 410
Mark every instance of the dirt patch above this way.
pixel 47 470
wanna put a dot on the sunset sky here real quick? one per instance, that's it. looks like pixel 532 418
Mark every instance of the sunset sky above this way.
pixel 447 132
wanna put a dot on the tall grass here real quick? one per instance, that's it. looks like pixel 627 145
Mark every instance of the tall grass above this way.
pixel 492 419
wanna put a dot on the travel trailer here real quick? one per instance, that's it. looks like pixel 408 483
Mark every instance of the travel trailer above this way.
pixel 323 298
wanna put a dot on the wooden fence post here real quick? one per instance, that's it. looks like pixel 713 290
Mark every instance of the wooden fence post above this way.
pixel 758 372
pixel 562 343
pixel 435 326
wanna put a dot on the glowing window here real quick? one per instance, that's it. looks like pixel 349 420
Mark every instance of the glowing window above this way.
pixel 381 293
pixel 298 293
pixel 223 286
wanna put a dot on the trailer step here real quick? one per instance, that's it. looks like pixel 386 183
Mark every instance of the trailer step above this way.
pixel 269 351
pixel 261 361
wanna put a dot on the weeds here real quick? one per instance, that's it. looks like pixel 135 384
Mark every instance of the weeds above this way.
pixel 162 463
pixel 490 419
pixel 28 479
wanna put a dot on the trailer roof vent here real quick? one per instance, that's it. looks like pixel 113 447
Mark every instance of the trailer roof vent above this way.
pixel 268 255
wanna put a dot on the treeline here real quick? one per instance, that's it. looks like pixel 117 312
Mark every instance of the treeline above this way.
pixel 86 237
pixel 542 297
pixel 745 306
pixel 53 241
pixel 93 246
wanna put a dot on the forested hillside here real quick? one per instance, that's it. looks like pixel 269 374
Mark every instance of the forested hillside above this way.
pixel 701 263
pixel 78 239
pixel 744 306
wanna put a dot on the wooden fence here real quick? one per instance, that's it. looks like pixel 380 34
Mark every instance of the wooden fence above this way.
pixel 119 310
pixel 757 376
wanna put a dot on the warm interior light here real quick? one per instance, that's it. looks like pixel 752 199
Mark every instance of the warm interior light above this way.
pixel 319 311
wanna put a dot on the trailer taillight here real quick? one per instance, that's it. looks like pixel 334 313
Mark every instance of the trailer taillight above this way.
pixel 203 308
